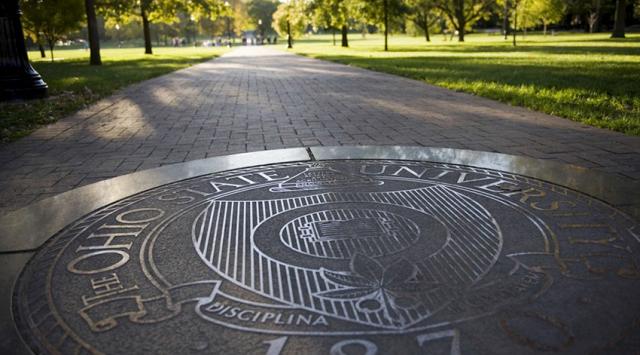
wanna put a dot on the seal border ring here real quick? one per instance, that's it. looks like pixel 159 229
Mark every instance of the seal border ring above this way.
pixel 54 214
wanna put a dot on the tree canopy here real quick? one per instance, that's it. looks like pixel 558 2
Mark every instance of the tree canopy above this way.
pixel 47 21
pixel 333 14
pixel 462 14
pixel 262 11
pixel 43 19
pixel 290 19
pixel 547 12
pixel 424 14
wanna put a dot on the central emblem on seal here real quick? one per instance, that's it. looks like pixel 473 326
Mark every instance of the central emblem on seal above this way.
pixel 315 244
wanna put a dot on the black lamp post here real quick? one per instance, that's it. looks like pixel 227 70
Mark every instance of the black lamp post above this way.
pixel 18 79
pixel 118 35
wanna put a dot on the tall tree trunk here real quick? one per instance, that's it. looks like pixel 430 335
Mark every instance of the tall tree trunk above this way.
pixel 544 27
pixel 385 9
pixel 289 38
pixel 426 27
pixel 333 30
pixel 596 26
pixel 621 13
pixel 43 54
pixel 591 20
pixel 505 22
pixel 345 40
pixel 94 37
pixel 146 31
pixel 461 19
pixel 52 43
pixel 515 24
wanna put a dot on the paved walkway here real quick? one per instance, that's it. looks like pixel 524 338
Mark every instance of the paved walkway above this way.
pixel 259 98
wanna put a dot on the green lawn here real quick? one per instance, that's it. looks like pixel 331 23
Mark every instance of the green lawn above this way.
pixel 73 83
pixel 586 78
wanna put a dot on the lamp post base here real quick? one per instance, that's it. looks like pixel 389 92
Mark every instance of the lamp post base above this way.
pixel 18 79
pixel 30 86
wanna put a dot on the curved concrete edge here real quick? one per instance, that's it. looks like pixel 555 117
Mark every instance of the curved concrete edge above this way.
pixel 28 228
pixel 615 190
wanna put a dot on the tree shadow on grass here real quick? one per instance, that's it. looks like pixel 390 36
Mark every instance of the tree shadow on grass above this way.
pixel 73 85
pixel 612 77
pixel 526 48
pixel 108 77
pixel 634 39
pixel 606 95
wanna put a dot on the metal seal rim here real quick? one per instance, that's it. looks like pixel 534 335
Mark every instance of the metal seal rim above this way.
pixel 42 220
pixel 39 221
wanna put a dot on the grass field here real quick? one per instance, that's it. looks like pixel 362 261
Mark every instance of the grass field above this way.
pixel 73 83
pixel 588 78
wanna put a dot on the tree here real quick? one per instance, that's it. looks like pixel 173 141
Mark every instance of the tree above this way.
pixel 241 19
pixel 290 20
pixel 147 6
pixel 594 15
pixel 462 14
pixel 621 13
pixel 92 29
pixel 52 20
pixel 505 18
pixel 380 13
pixel 262 10
pixel 519 16
pixel 235 17
pixel 32 25
pixel 91 7
pixel 321 17
pixel 422 15
pixel 162 11
pixel 333 14
pixel 547 12
pixel 525 16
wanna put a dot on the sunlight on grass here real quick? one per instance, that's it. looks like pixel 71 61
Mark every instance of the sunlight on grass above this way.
pixel 588 78
pixel 74 84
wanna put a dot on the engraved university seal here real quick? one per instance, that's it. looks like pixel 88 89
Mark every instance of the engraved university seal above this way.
pixel 340 257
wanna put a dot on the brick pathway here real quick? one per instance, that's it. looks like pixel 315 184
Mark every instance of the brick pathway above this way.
pixel 259 98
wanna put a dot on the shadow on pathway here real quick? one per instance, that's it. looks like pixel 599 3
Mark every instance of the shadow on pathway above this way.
pixel 257 98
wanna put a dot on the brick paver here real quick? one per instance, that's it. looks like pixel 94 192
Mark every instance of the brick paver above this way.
pixel 257 98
